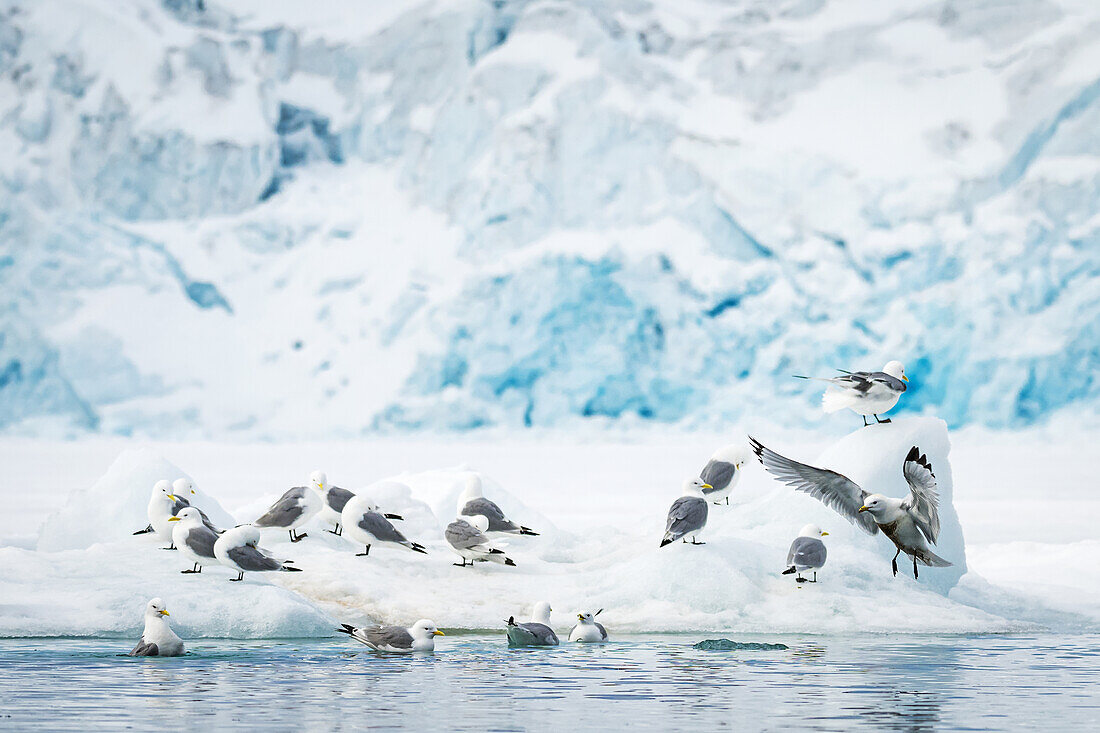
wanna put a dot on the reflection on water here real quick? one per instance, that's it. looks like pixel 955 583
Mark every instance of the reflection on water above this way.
pixel 476 683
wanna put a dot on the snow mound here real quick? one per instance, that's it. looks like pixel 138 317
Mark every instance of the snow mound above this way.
pixel 115 506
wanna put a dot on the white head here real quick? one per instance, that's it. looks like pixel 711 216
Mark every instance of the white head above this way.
pixel 811 530
pixel 695 486
pixel 163 490
pixel 248 534
pixel 735 454
pixel 541 614
pixel 876 504
pixel 588 618
pixel 479 521
pixel 187 515
pixel 424 629
pixel 895 370
pixel 473 487
pixel 183 487
pixel 155 609
pixel 318 481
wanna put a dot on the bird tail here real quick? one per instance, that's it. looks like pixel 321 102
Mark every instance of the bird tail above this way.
pixel 931 559
pixel 417 547
pixel 394 516
pixel 527 530
pixel 147 530
pixel 290 569
pixel 495 551
pixel 835 400
pixel 511 621
pixel 346 629
pixel 666 541
pixel 789 571
pixel 509 561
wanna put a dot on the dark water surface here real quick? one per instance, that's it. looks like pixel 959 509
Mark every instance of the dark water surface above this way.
pixel 475 683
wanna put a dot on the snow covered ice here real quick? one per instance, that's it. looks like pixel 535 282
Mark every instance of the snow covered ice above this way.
pixel 583 560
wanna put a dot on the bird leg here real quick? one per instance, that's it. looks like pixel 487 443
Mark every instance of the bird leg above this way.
pixel 727 501
pixel 865 423
pixel 363 554
pixel 881 421
pixel 894 562
pixel 240 577
pixel 462 564
pixel 914 566
pixel 295 537
pixel 799 578
pixel 815 577
pixel 337 531
pixel 170 547
pixel 196 569
pixel 696 542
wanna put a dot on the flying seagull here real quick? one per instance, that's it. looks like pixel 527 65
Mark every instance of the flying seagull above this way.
pixel 536 632
pixel 910 523
pixel 473 502
pixel 420 637
pixel 466 536
pixel 158 639
pixel 294 508
pixel 688 514
pixel 864 393
pixel 807 553
pixel 588 629
pixel 722 472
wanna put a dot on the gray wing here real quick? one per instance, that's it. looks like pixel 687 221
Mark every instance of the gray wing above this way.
pixel 285 511
pixel 835 491
pixel 890 382
pixel 718 474
pixel 337 498
pixel 488 509
pixel 541 633
pixel 145 649
pixel 923 500
pixel 807 552
pixel 380 527
pixel 179 505
pixel 462 535
pixel 249 558
pixel 687 514
pixel 201 541
pixel 391 636
pixel 603 631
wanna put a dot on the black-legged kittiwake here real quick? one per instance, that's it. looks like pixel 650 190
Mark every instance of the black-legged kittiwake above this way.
pixel 688 514
pixel 466 536
pixel 723 472
pixel 294 508
pixel 807 553
pixel 365 524
pixel 536 632
pixel 239 549
pixel 864 393
pixel 472 502
pixel 420 637
pixel 588 629
pixel 193 539
pixel 158 639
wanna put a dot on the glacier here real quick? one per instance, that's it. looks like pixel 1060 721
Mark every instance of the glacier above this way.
pixel 255 220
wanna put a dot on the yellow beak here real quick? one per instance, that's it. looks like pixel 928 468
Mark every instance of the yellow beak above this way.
pixel 165 613
pixel 863 508
pixel 173 497
pixel 824 533
pixel 707 486
pixel 437 632
pixel 580 617
pixel 905 379
pixel 173 519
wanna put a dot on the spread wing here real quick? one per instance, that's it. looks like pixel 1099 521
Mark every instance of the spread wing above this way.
pixel 923 501
pixel 834 490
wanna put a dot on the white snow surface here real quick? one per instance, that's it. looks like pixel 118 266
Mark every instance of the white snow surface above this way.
pixel 606 556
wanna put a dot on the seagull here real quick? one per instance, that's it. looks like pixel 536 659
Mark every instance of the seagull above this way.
pixel 193 539
pixel 294 508
pixel 333 501
pixel 466 536
pixel 688 514
pixel 163 505
pixel 588 629
pixel 420 637
pixel 238 549
pixel 722 472
pixel 472 502
pixel 807 553
pixel 158 639
pixel 364 524
pixel 864 393
pixel 536 632
pixel 910 523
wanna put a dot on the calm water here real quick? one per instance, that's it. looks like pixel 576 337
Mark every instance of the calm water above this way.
pixel 474 682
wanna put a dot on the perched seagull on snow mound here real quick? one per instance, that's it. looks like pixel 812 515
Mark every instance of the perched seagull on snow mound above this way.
pixel 588 629
pixel 807 553
pixel 473 502
pixel 910 523
pixel 723 471
pixel 158 639
pixel 193 539
pixel 420 637
pixel 165 503
pixel 238 548
pixel 294 508
pixel 864 393
pixel 536 632
pixel 333 501
pixel 364 524
pixel 688 514
pixel 466 536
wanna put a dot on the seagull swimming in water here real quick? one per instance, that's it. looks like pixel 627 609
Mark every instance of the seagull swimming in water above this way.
pixel 536 632
pixel 588 629
pixel 688 514
pixel 910 523
pixel 158 639
pixel 864 393
pixel 420 637
pixel 807 553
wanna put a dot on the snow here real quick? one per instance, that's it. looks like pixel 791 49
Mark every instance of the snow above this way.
pixel 605 554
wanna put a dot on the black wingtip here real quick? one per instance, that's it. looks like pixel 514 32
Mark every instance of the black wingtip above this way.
pixel 914 454
pixel 509 561
pixel 511 620
pixel 346 629
pixel 289 569
pixel 789 570
pixel 147 530
pixel 665 542
pixel 525 530
pixel 757 448
pixel 419 548
pixel 799 376
pixel 495 551
pixel 394 516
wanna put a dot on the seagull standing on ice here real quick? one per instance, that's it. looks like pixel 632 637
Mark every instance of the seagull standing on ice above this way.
pixel 420 637
pixel 466 536
pixel 723 472
pixel 333 501
pixel 473 502
pixel 864 393
pixel 294 508
pixel 163 505
pixel 193 539
pixel 688 514
pixel 536 632
pixel 364 524
pixel 238 548
pixel 807 553
pixel 910 523
pixel 158 639
pixel 588 629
